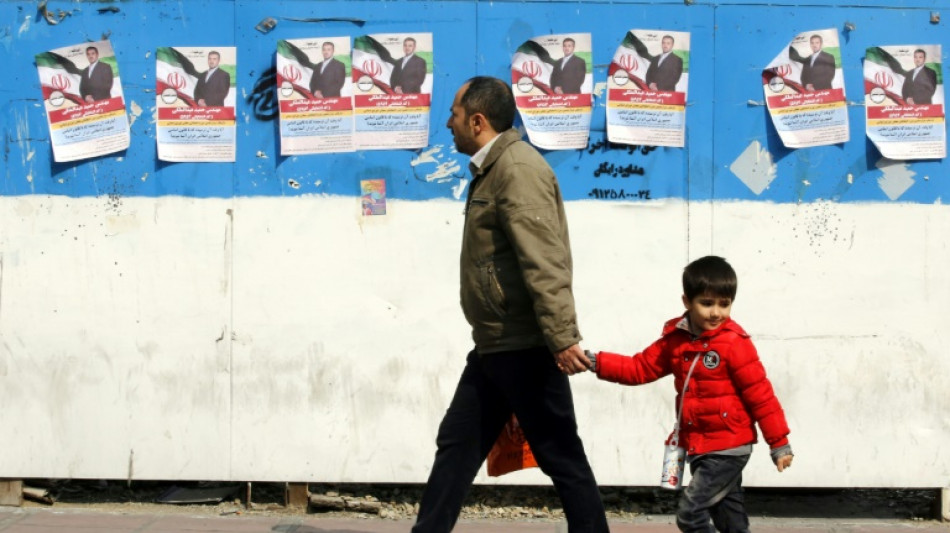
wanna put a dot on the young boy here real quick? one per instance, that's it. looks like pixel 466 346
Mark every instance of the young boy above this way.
pixel 728 392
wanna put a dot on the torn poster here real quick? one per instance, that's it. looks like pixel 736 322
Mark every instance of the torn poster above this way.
pixel 804 91
pixel 646 89
pixel 392 94
pixel 904 101
pixel 373 197
pixel 552 82
pixel 315 94
pixel 195 97
pixel 83 98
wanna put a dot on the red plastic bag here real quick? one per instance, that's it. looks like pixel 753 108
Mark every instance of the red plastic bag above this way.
pixel 511 451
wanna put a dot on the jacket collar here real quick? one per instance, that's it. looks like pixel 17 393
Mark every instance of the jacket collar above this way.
pixel 502 142
pixel 682 323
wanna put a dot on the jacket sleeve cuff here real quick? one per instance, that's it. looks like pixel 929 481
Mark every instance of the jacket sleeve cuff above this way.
pixel 780 452
pixel 563 340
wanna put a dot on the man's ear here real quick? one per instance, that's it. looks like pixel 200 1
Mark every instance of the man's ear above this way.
pixel 685 302
pixel 479 122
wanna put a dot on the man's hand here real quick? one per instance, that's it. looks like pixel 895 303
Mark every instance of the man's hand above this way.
pixel 572 360
pixel 784 462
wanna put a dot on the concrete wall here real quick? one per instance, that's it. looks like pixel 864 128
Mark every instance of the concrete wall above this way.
pixel 244 321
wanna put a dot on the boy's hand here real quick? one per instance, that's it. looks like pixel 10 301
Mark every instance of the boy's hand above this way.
pixel 572 360
pixel 784 462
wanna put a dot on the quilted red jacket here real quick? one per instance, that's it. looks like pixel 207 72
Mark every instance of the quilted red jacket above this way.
pixel 728 391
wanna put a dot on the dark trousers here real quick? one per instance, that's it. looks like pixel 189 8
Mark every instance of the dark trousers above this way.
pixel 528 383
pixel 714 493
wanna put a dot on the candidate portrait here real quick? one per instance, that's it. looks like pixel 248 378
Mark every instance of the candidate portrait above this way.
pixel 665 69
pixel 409 72
pixel 328 75
pixel 96 82
pixel 213 84
pixel 569 71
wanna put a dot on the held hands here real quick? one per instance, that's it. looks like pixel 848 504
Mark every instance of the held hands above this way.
pixel 572 360
pixel 784 462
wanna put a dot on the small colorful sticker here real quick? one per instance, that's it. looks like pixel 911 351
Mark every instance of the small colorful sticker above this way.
pixel 373 194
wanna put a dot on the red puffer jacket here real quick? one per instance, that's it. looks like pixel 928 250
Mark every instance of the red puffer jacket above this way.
pixel 728 391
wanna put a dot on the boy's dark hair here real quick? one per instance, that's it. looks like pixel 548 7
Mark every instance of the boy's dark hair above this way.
pixel 492 98
pixel 709 275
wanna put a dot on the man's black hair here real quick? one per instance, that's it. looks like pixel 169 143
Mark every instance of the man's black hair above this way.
pixel 492 98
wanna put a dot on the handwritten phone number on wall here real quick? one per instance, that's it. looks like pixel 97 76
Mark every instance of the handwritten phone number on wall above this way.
pixel 619 194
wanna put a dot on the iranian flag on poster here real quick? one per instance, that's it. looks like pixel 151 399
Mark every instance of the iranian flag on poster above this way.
pixel 630 62
pixel 59 78
pixel 175 76
pixel 531 66
pixel 294 69
pixel 372 64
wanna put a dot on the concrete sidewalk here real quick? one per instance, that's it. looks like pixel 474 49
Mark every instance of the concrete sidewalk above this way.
pixel 39 520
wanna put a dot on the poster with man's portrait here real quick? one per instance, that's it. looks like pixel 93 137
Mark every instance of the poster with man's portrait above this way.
pixel 195 94
pixel 646 89
pixel 904 101
pixel 82 94
pixel 552 82
pixel 315 95
pixel 392 90
pixel 804 91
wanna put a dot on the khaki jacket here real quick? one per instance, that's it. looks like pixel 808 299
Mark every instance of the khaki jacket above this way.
pixel 516 268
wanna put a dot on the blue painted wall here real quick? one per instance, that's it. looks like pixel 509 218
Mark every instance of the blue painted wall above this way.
pixel 731 42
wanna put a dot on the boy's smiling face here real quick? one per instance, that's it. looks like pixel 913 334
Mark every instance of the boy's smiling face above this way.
pixel 707 312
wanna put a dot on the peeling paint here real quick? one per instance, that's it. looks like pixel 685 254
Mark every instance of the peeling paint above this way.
pixel 23 141
pixel 457 190
pixel 426 156
pixel 136 111
pixel 754 167
pixel 599 89
pixel 445 171
pixel 896 179
pixel 294 184
pixel 25 26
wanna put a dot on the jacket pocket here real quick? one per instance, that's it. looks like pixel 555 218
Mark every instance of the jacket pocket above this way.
pixel 733 415
pixel 491 289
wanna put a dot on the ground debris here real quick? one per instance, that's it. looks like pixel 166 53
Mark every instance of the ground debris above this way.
pixel 518 503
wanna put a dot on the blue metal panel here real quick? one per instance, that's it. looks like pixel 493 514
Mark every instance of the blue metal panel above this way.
pixel 746 42
pixel 731 42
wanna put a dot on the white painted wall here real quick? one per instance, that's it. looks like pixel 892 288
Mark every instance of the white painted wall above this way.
pixel 292 339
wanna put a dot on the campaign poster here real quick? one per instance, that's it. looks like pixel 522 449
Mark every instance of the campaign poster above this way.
pixel 373 197
pixel 315 95
pixel 646 89
pixel 392 90
pixel 552 82
pixel 804 91
pixel 82 94
pixel 195 94
pixel 904 101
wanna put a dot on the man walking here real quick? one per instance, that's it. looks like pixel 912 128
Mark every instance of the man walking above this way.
pixel 516 293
